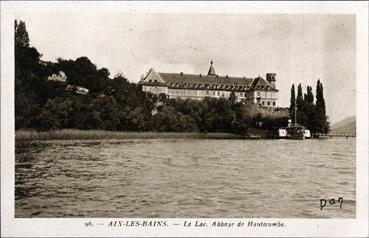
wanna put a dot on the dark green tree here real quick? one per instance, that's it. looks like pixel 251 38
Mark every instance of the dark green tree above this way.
pixel 292 103
pixel 55 114
pixel 232 98
pixel 309 108
pixel 104 113
pixel 299 99
pixel 321 120
pixel 301 117
pixel 115 104
pixel 309 97
pixel 21 34
pixel 28 83
pixel 243 120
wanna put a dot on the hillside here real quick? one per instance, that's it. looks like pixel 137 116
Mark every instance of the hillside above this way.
pixel 346 126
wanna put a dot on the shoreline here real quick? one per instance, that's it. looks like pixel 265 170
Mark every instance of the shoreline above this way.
pixel 74 134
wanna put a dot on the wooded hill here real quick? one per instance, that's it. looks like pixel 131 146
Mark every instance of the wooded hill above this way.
pixel 78 94
pixel 346 126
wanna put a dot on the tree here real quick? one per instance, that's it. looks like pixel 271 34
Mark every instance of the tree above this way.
pixel 301 117
pixel 28 80
pixel 321 120
pixel 320 102
pixel 309 108
pixel 299 99
pixel 21 34
pixel 26 111
pixel 292 103
pixel 169 119
pixel 55 114
pixel 232 98
pixel 309 97
pixel 103 114
pixel 242 122
pixel 115 104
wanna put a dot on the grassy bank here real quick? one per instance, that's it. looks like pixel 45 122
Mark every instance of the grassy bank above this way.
pixel 72 134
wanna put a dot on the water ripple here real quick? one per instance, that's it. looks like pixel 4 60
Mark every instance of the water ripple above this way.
pixel 184 178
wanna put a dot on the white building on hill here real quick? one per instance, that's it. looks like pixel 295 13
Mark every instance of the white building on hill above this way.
pixel 198 86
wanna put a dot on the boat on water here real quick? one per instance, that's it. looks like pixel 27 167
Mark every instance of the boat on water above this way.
pixel 294 132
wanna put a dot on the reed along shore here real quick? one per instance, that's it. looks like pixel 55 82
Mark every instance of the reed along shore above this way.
pixel 73 134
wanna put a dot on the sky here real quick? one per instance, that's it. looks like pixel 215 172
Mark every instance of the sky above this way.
pixel 299 48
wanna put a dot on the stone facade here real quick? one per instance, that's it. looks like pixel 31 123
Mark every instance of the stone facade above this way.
pixel 180 85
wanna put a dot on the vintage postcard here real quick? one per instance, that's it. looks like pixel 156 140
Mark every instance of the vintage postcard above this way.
pixel 218 119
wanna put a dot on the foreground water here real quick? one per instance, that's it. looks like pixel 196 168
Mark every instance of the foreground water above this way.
pixel 185 178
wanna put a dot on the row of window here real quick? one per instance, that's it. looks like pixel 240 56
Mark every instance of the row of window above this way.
pixel 266 94
pixel 262 87
pixel 267 103
pixel 216 86
pixel 154 89
pixel 185 92
pixel 213 86
pixel 204 93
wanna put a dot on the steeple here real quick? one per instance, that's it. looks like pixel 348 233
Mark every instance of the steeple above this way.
pixel 211 69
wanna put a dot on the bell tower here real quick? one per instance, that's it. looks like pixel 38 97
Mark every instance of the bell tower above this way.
pixel 270 77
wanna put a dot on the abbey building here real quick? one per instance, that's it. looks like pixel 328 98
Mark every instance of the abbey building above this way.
pixel 198 86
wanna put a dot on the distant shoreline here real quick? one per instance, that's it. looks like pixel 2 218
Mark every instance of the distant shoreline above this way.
pixel 73 134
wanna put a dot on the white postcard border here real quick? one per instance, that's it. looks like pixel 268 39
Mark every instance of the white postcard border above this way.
pixel 37 227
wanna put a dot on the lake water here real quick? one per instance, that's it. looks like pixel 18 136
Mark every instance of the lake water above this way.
pixel 185 178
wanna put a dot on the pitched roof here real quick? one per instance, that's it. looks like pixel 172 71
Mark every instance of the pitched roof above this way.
pixel 155 77
pixel 181 79
pixel 199 81
pixel 260 83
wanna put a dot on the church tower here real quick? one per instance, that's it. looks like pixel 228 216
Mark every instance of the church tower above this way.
pixel 211 69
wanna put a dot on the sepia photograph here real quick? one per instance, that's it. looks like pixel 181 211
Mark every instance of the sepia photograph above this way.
pixel 166 115
pixel 178 116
